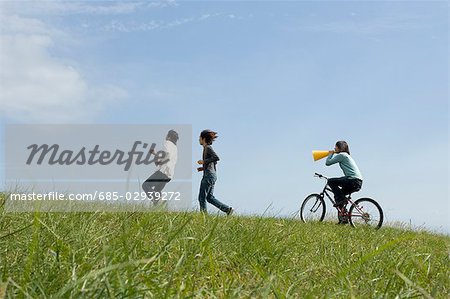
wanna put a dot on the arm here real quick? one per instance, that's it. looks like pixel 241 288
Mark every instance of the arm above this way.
pixel 162 156
pixel 332 159
pixel 212 156
pixel 166 151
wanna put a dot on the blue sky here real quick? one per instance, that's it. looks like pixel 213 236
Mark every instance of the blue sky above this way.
pixel 275 79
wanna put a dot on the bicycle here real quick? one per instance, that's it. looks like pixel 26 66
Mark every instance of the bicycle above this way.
pixel 362 212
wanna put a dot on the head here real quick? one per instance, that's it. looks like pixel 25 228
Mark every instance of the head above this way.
pixel 341 146
pixel 207 137
pixel 172 136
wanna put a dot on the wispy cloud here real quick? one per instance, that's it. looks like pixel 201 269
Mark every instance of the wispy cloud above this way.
pixel 35 85
pixel 38 8
pixel 353 25
pixel 11 24
pixel 120 26
pixel 132 26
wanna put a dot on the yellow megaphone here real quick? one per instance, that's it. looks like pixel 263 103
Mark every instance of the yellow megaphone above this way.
pixel 317 155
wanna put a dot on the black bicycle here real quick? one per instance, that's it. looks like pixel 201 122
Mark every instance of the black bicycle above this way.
pixel 362 212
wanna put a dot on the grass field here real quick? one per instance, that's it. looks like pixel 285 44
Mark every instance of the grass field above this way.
pixel 167 255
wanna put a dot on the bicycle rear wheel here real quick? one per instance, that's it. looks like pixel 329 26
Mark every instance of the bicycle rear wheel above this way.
pixel 313 208
pixel 366 212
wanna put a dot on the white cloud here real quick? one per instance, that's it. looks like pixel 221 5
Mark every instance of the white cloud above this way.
pixel 132 26
pixel 179 22
pixel 205 16
pixel 385 23
pixel 15 24
pixel 37 8
pixel 37 86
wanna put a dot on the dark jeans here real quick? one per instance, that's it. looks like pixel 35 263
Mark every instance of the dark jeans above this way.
pixel 206 193
pixel 155 183
pixel 343 186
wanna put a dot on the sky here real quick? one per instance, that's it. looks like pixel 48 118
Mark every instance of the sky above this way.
pixel 275 79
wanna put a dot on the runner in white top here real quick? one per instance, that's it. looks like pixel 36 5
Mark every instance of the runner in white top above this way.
pixel 171 157
pixel 165 170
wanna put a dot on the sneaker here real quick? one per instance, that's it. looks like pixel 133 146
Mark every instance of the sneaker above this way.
pixel 343 216
pixel 229 211
pixel 342 222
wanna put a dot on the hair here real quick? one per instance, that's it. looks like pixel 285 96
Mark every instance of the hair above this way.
pixel 209 136
pixel 172 135
pixel 343 146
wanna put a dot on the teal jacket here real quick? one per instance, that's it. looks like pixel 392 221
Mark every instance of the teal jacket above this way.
pixel 346 163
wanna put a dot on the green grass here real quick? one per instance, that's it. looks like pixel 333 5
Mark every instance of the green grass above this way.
pixel 167 255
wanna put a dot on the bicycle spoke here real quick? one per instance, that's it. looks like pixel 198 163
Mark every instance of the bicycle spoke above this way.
pixel 313 209
pixel 366 212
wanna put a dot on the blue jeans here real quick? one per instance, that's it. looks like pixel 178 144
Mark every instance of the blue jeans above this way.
pixel 206 193
pixel 343 186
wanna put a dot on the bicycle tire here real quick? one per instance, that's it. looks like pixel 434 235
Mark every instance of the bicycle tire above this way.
pixel 316 212
pixel 366 212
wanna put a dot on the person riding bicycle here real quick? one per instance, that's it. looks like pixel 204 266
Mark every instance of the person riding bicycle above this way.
pixel 351 182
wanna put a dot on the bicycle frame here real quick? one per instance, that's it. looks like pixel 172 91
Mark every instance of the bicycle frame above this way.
pixel 326 188
pixel 341 211
pixel 324 192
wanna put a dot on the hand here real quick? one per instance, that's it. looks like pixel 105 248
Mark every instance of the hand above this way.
pixel 331 152
pixel 152 151
pixel 200 162
pixel 200 169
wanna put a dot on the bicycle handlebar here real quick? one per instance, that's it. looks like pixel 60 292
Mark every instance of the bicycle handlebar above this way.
pixel 320 176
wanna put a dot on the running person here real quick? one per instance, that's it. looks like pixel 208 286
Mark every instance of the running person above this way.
pixel 209 178
pixel 165 170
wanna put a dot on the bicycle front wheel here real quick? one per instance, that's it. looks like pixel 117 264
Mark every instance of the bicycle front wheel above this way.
pixel 313 208
pixel 366 212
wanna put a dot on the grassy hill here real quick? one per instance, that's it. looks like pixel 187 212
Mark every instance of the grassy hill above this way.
pixel 190 255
